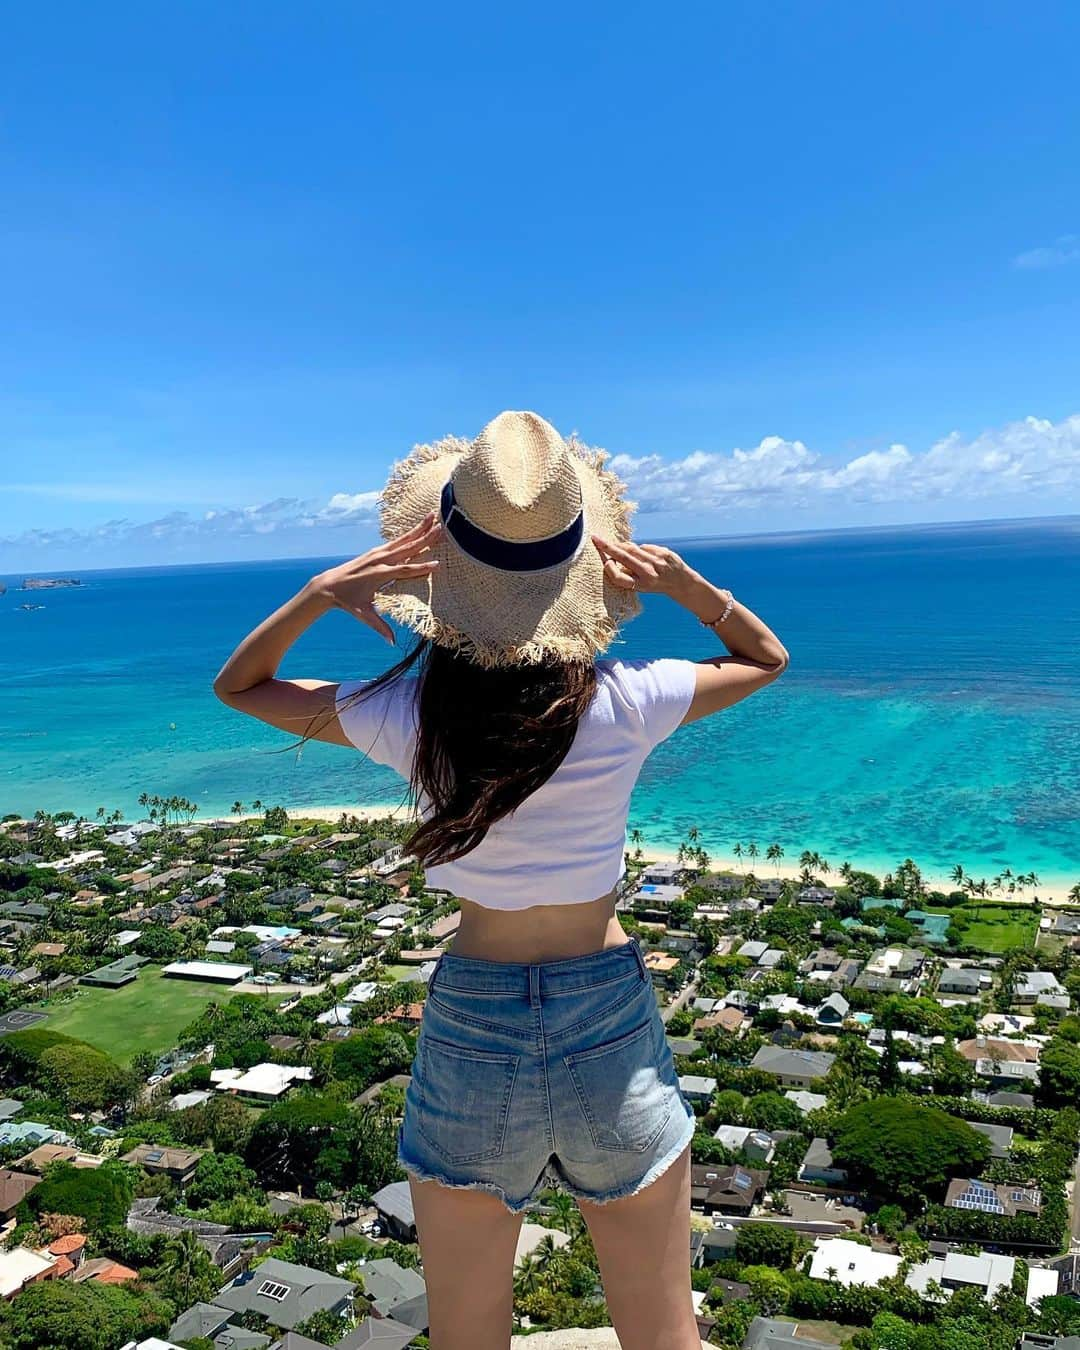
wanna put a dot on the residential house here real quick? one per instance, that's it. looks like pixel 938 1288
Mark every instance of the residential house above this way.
pixel 1033 986
pixel 1004 1198
pixel 726 1190
pixel 396 1291
pixel 393 1203
pixel 845 974
pixel 263 1082
pixel 964 981
pixel 223 1247
pixel 731 1020
pixel 14 1188
pixel 766 1333
pixel 286 1294
pixel 833 1011
pixel 176 1163
pixel 822 962
pixel 20 1266
pixel 807 1101
pixel 757 1145
pixel 1007 1073
pixel 817 895
pixel 697 1087
pixel 850 1263
pixel 793 1068
pixel 987 1272
pixel 1000 1136
pixel 818 1166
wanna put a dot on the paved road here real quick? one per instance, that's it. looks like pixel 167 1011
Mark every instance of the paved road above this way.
pixel 681 999
pixel 1074 1204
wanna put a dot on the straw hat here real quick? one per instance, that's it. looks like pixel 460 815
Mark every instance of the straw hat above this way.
pixel 519 579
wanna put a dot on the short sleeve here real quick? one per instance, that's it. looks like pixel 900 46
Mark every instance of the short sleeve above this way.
pixel 381 724
pixel 662 691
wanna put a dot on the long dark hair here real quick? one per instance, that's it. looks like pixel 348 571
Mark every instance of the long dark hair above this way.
pixel 487 738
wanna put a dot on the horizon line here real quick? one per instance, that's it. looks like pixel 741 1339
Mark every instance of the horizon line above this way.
pixel 741 537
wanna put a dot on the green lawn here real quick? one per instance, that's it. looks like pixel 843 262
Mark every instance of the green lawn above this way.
pixel 994 929
pixel 402 973
pixel 148 1014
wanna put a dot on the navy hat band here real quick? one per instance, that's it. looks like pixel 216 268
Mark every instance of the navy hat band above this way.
pixel 509 555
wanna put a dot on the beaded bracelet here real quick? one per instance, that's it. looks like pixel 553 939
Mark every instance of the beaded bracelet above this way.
pixel 713 623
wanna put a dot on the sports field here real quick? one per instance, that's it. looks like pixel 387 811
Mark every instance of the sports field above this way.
pixel 148 1014
pixel 994 929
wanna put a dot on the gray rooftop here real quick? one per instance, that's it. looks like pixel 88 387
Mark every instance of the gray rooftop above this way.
pixel 285 1293
pixel 795 1063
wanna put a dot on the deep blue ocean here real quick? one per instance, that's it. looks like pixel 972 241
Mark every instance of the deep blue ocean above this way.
pixel 931 709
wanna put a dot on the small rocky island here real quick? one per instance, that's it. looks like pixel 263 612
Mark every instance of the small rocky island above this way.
pixel 48 583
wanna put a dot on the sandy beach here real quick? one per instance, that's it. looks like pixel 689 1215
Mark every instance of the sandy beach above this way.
pixel 1051 891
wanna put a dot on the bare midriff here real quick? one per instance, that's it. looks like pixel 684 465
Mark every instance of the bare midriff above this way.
pixel 538 933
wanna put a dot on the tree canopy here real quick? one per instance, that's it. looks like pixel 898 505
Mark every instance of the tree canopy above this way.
pixel 901 1146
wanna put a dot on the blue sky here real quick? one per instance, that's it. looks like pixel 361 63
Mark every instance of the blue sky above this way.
pixel 795 266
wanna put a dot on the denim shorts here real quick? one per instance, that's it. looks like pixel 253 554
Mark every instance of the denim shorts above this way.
pixel 548 1075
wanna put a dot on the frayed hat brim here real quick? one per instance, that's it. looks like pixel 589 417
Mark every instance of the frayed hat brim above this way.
pixel 567 613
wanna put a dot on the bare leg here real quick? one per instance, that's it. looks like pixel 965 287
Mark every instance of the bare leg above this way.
pixel 467 1243
pixel 643 1245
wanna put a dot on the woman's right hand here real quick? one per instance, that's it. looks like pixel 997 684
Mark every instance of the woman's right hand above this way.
pixel 352 586
pixel 646 567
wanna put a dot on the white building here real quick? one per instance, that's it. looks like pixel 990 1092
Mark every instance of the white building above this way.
pixel 850 1263
pixel 266 1081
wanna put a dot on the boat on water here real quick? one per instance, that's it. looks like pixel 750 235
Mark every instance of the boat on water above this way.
pixel 27 605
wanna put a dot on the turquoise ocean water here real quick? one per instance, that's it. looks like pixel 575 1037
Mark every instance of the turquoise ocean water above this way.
pixel 931 709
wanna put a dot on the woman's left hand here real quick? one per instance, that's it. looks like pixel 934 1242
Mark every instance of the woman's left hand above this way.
pixel 352 585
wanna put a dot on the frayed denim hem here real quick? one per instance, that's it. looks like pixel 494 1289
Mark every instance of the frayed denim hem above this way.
pixel 656 1170
pixel 423 1174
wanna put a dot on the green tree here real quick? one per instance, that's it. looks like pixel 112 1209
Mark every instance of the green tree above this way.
pixel 764 1244
pixel 288 1139
pixel 324 1326
pixel 86 1079
pixel 186 1274
pixel 62 1315
pixel 1059 1073
pixel 100 1195
pixel 372 1055
pixel 899 1146
pixel 219 1176
pixel 771 1111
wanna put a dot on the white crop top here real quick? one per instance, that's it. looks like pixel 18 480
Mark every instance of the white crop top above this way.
pixel 565 843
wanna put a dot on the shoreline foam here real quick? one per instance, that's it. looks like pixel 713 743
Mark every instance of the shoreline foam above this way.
pixel 1051 891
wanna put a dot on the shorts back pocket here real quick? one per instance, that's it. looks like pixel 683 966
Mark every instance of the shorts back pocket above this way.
pixel 464 1099
pixel 621 1089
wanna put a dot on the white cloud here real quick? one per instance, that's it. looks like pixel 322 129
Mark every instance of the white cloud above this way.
pixel 1064 249
pixel 1033 456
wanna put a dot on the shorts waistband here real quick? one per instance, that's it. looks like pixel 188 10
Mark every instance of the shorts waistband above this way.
pixel 471 973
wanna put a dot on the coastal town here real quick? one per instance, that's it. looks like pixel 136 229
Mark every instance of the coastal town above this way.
pixel 206 1031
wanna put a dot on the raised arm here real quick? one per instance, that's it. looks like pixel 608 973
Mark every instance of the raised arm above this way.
pixel 757 655
pixel 248 680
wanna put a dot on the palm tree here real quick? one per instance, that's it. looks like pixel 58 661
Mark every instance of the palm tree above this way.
pixel 737 849
pixel 238 808
pixel 526 1277
pixel 564 1209
pixel 184 1259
